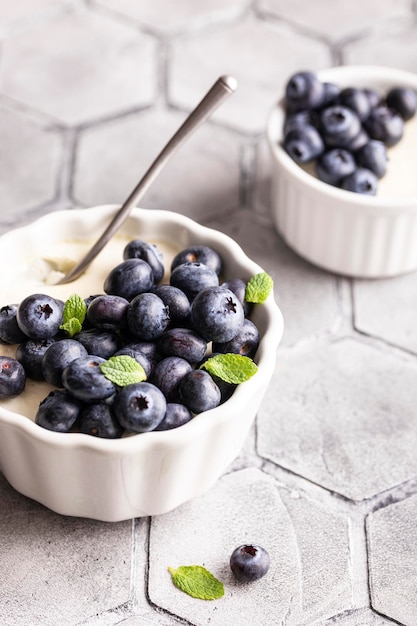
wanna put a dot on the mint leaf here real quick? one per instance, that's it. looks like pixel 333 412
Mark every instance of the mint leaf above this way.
pixel 72 327
pixel 258 288
pixel 73 314
pixel 232 368
pixel 197 581
pixel 123 370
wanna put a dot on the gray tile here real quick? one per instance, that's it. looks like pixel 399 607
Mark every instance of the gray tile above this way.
pixel 58 566
pixel 156 14
pixel 362 617
pixel 30 160
pixel 252 511
pixel 260 55
pixel 11 10
pixel 392 560
pixel 392 49
pixel 201 180
pixel 296 282
pixel 342 415
pixel 336 19
pixel 386 309
pixel 110 69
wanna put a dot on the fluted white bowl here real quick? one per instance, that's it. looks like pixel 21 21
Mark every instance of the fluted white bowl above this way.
pixel 144 474
pixel 341 231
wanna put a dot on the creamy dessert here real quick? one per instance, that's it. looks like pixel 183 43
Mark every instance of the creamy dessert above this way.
pixel 38 274
pixel 356 138
pixel 400 181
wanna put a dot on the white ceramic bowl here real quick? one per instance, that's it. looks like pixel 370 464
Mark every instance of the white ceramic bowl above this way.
pixel 341 231
pixel 139 475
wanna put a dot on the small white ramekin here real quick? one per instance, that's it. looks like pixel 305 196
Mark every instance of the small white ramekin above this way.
pixel 146 474
pixel 341 231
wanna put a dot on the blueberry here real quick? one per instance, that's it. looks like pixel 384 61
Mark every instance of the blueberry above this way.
pixel 138 249
pixel 303 144
pixel 99 341
pixel 192 277
pixel 84 379
pixel 148 348
pixel 245 343
pixel 238 286
pixel 177 302
pixel 216 314
pixel 226 389
pixel 357 100
pixel 373 97
pixel 143 359
pixel 12 377
pixel 199 254
pixel 340 125
pixel 99 420
pixel 334 165
pixel 361 181
pixel 403 100
pixel 39 316
pixel 249 563
pixel 385 125
pixel 57 357
pixel 199 392
pixel 30 355
pixel 129 278
pixel 331 94
pixel 373 156
pixel 140 407
pixel 167 375
pixel 9 328
pixel 147 316
pixel 358 142
pixel 176 415
pixel 58 411
pixel 299 120
pixel 304 91
pixel 108 312
pixel 184 343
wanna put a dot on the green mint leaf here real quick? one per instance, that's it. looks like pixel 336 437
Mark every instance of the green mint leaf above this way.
pixel 73 314
pixel 72 326
pixel 232 368
pixel 123 370
pixel 259 287
pixel 197 581
pixel 74 307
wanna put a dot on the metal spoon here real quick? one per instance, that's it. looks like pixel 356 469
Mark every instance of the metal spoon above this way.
pixel 218 93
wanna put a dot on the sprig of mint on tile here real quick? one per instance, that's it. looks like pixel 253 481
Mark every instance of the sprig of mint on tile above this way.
pixel 73 315
pixel 197 582
pixel 123 370
pixel 230 367
pixel 258 288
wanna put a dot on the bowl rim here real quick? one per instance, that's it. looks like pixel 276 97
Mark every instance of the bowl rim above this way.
pixel 169 439
pixel 348 201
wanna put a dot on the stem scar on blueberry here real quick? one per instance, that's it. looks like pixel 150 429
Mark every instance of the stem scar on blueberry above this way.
pixel 45 310
pixel 140 402
pixel 230 305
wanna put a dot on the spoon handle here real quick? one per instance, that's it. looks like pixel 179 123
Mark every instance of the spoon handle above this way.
pixel 219 92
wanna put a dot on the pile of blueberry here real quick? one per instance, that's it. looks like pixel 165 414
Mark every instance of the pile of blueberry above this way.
pixel 168 329
pixel 345 131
